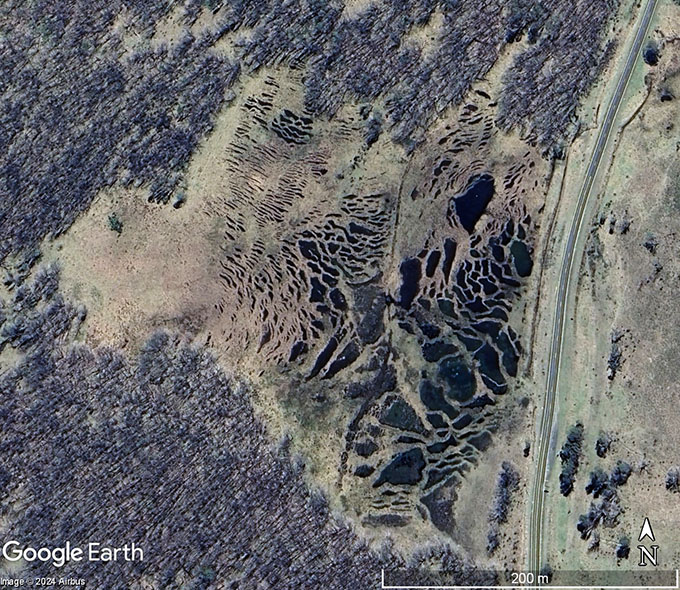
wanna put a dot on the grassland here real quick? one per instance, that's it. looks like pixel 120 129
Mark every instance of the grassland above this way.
pixel 626 286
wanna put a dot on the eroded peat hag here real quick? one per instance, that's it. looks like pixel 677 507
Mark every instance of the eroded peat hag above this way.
pixel 400 326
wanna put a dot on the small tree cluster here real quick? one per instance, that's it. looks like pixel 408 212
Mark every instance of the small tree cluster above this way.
pixel 615 359
pixel 605 512
pixel 623 548
pixel 115 224
pixel 570 455
pixel 620 473
pixel 673 480
pixel 506 484
pixel 604 441
pixel 605 487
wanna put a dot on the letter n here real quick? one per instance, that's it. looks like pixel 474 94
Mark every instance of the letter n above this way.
pixel 645 555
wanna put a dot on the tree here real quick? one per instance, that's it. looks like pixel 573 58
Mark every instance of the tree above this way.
pixel 623 548
pixel 115 224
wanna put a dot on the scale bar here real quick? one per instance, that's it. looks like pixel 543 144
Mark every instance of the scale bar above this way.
pixel 528 587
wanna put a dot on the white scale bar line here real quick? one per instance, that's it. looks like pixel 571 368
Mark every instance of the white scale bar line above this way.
pixel 525 587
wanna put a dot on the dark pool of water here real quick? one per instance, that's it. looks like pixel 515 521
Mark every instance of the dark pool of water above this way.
pixel 405 468
pixel 487 357
pixel 433 398
pixel 401 415
pixel 457 375
pixel 471 204
pixel 410 279
pixel 522 258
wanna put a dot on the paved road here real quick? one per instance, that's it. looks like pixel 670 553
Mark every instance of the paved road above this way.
pixel 536 532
